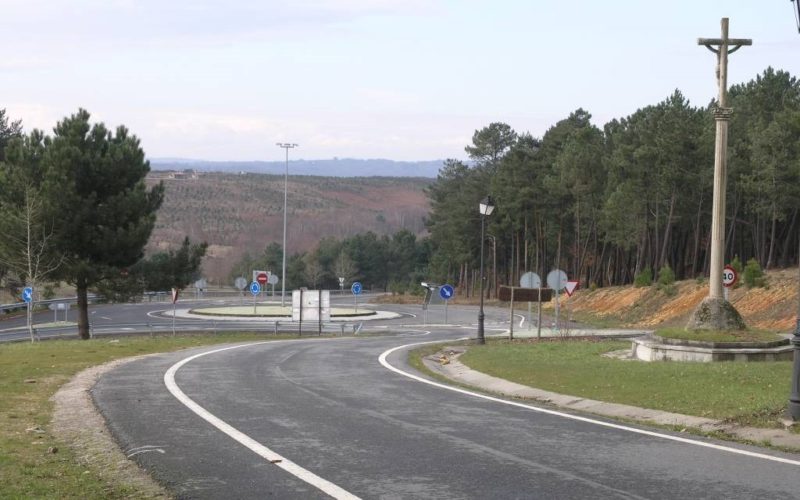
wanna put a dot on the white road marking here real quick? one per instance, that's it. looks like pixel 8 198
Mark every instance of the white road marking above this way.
pixel 280 461
pixel 385 354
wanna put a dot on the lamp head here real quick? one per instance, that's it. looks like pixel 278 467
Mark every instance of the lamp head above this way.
pixel 487 206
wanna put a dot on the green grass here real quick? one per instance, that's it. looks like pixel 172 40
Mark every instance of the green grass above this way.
pixel 29 375
pixel 753 394
pixel 718 335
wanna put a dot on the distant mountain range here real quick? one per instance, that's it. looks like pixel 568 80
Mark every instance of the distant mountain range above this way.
pixel 336 167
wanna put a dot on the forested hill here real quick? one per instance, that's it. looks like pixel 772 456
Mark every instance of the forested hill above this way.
pixel 335 167
pixel 238 213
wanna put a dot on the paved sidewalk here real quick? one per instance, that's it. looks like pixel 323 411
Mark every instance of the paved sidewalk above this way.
pixel 446 363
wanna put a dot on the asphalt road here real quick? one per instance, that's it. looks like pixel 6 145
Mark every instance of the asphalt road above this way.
pixel 324 417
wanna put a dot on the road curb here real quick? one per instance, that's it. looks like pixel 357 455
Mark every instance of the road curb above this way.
pixel 446 364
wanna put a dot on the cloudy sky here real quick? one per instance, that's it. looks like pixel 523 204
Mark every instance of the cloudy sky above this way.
pixel 396 79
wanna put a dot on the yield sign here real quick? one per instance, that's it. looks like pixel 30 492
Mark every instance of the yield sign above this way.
pixel 571 287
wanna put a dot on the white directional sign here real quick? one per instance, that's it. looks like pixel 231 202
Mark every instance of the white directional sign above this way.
pixel 557 279
pixel 530 280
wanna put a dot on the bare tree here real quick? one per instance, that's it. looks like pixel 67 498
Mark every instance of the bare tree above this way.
pixel 314 270
pixel 26 248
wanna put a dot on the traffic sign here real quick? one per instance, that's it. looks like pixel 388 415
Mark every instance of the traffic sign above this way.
pixel 240 283
pixel 174 295
pixel 262 278
pixel 571 287
pixel 729 276
pixel 446 292
pixel 356 288
pixel 255 288
pixel 27 294
pixel 557 279
pixel 273 279
pixel 530 280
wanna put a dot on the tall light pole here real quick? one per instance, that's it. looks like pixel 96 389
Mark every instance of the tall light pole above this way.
pixel 486 208
pixel 287 146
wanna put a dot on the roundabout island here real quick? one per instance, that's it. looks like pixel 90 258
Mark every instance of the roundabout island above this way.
pixel 273 311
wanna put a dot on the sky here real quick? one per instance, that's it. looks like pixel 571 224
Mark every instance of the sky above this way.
pixel 396 79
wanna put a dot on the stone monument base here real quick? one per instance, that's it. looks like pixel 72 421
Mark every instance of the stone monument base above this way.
pixel 715 314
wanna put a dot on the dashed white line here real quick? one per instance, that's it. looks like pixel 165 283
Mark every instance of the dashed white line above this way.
pixel 385 354
pixel 259 449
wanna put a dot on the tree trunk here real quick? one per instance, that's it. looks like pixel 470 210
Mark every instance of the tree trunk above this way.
pixel 667 228
pixel 83 308
pixel 771 252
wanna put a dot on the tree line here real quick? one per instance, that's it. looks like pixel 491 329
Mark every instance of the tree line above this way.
pixel 397 262
pixel 606 205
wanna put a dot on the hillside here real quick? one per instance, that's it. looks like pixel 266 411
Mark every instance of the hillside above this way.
pixel 771 308
pixel 335 167
pixel 244 213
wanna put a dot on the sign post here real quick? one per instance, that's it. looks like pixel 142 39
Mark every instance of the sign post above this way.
pixel 240 283
pixel 273 280
pixel 446 292
pixel 557 280
pixel 255 289
pixel 27 296
pixel 356 289
pixel 532 280
pixel 174 301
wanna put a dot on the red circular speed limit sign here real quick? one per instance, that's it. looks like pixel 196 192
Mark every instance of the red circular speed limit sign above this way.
pixel 728 276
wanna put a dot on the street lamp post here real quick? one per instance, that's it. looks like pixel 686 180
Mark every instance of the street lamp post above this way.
pixel 486 208
pixel 287 146
pixel 794 397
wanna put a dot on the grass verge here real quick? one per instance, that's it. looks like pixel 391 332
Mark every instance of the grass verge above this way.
pixel 752 394
pixel 29 376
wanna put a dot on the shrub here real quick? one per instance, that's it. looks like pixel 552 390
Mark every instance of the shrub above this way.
pixel 644 278
pixel 753 276
pixel 666 276
pixel 736 264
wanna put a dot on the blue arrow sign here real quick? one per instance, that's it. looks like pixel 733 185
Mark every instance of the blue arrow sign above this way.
pixel 356 288
pixel 27 294
pixel 446 292
pixel 255 288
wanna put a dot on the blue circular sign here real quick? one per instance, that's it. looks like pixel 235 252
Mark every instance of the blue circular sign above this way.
pixel 27 294
pixel 446 292
pixel 255 288
pixel 356 288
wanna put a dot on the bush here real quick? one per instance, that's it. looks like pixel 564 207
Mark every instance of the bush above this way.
pixel 666 276
pixel 644 278
pixel 398 287
pixel 753 276
pixel 736 264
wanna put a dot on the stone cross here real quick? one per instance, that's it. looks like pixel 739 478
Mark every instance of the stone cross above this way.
pixel 722 114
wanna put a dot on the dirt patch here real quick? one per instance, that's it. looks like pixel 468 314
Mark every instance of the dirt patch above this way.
pixel 77 423
pixel 773 307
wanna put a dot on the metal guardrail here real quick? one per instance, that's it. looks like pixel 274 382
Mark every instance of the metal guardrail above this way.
pixel 306 328
pixel 22 305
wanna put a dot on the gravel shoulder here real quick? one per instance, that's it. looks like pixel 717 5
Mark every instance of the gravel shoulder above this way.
pixel 77 423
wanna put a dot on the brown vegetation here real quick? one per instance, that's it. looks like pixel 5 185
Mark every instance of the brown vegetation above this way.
pixel 773 307
pixel 244 213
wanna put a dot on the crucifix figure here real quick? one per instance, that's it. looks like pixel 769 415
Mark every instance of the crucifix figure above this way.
pixel 715 304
